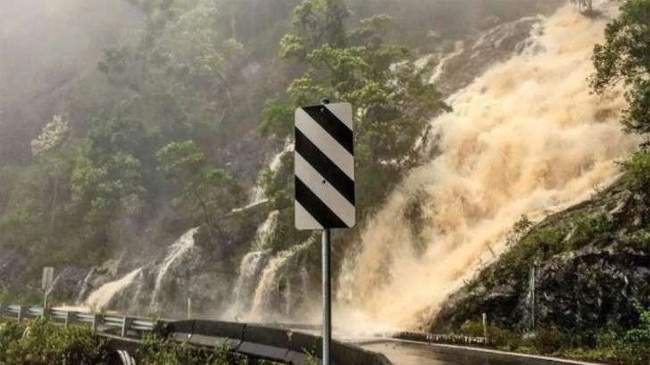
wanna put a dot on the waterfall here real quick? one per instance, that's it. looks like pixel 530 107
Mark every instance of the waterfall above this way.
pixel 272 292
pixel 250 270
pixel 176 251
pixel 273 166
pixel 85 286
pixel 440 67
pixel 101 298
pixel 525 138
pixel 265 230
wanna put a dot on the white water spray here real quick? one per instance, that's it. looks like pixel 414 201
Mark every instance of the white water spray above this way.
pixel 274 165
pixel 526 138
pixel 440 67
pixel 176 251
pixel 250 271
pixel 269 294
pixel 101 298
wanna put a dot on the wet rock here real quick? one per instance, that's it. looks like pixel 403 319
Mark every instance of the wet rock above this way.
pixel 600 270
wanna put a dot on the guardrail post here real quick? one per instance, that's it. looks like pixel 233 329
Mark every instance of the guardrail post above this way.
pixel 46 312
pixel 69 318
pixel 485 327
pixel 3 309
pixel 126 323
pixel 97 319
pixel 22 313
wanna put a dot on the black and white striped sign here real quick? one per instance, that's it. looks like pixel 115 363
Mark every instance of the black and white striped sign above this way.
pixel 324 167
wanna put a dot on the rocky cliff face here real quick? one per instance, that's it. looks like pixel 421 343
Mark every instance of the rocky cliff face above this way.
pixel 200 265
pixel 592 263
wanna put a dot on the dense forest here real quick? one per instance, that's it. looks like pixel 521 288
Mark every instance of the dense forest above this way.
pixel 126 132
pixel 125 124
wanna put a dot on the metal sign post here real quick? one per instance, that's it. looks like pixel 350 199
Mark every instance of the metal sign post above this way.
pixel 46 283
pixel 327 299
pixel 533 290
pixel 324 182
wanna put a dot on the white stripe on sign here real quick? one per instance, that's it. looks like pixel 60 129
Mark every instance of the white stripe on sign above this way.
pixel 343 111
pixel 324 167
pixel 325 191
pixel 305 219
pixel 324 141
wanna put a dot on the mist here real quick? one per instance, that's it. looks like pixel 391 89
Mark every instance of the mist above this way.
pixel 45 47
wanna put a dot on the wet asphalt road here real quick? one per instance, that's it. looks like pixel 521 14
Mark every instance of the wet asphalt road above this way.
pixel 410 353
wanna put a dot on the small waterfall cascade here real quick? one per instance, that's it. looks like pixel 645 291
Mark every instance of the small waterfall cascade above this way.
pixel 101 298
pixel 85 286
pixel 440 67
pixel 251 267
pixel 250 270
pixel 273 292
pixel 176 251
pixel 273 166
pixel 265 230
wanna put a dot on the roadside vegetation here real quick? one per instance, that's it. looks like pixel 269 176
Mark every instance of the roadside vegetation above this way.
pixel 41 342
pixel 612 346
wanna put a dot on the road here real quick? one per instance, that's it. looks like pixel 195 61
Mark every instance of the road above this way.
pixel 413 353
pixel 405 353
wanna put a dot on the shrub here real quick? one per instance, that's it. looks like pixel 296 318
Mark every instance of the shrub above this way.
pixel 43 343
pixel 549 340
pixel 158 350
pixel 638 167
pixel 472 328
pixel 633 346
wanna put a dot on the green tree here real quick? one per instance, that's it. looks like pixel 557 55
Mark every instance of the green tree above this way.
pixel 208 190
pixel 624 58
pixel 185 57
pixel 392 100
pixel 106 193
pixel 44 149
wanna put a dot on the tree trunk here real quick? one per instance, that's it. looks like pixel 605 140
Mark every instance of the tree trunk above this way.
pixel 53 210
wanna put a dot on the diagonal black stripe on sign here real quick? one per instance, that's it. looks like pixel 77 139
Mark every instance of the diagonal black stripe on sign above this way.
pixel 328 169
pixel 312 204
pixel 332 125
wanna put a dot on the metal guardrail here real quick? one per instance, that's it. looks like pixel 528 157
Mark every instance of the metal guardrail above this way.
pixel 441 339
pixel 96 321
pixel 258 341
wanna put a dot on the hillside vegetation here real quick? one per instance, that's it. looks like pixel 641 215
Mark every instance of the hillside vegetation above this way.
pixel 169 112
pixel 41 342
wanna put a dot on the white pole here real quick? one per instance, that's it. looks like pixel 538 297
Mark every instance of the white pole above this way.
pixel 45 293
pixel 485 331
pixel 532 296
pixel 327 292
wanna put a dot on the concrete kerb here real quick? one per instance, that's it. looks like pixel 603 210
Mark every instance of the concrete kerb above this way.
pixel 482 353
pixel 503 355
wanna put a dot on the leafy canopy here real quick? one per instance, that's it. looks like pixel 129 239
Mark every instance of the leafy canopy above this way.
pixel 624 58
pixel 392 99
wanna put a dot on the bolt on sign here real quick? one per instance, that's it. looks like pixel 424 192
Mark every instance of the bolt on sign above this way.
pixel 324 167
